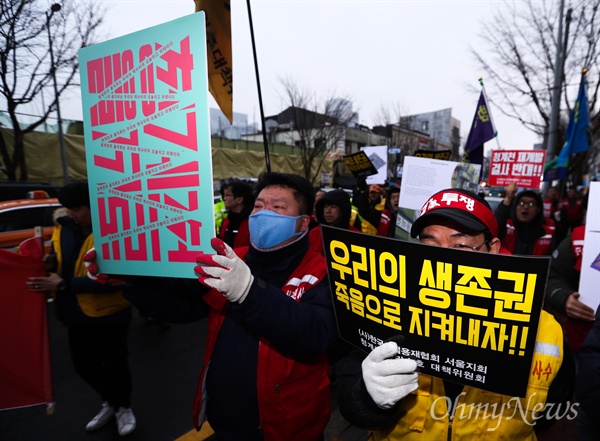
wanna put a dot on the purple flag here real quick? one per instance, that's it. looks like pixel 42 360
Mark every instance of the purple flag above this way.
pixel 482 130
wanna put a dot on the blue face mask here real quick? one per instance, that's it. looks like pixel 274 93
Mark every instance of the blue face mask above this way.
pixel 268 229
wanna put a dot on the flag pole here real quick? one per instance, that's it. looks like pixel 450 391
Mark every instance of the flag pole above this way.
pixel 489 112
pixel 576 138
pixel 260 103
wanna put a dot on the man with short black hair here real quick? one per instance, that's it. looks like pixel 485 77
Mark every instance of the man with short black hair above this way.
pixel 271 322
pixel 239 203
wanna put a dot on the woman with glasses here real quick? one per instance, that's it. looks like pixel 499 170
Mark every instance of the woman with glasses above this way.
pixel 522 227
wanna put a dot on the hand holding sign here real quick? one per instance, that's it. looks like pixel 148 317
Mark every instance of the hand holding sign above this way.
pixel 389 379
pixel 225 272
pixel 93 271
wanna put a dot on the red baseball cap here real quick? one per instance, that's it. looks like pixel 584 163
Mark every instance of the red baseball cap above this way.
pixel 462 206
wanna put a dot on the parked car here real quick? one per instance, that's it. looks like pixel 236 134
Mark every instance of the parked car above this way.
pixel 11 190
pixel 19 217
pixel 495 191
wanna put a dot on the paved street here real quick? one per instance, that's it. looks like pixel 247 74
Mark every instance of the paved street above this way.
pixel 165 364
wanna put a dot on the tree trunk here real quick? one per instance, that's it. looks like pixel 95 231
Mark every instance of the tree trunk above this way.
pixel 6 159
pixel 19 156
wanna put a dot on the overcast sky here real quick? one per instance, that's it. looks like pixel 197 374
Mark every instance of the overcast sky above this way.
pixel 408 54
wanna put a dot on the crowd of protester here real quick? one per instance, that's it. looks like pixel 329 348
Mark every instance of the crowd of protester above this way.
pixel 272 329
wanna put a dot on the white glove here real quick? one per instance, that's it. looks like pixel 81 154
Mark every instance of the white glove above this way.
pixel 224 271
pixel 389 379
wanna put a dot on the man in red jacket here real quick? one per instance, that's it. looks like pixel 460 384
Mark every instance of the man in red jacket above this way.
pixel 562 291
pixel 265 373
pixel 387 223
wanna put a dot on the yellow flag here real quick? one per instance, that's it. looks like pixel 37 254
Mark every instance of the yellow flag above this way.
pixel 218 50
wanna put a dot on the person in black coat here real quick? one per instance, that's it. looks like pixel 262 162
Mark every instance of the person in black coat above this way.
pixel 587 385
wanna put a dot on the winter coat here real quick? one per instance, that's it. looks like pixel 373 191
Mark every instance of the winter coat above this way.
pixel 83 301
pixel 299 329
pixel 565 270
pixel 290 391
pixel 235 231
pixel 587 389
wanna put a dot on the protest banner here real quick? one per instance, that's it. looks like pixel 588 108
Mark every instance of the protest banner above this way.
pixel 465 316
pixel 523 167
pixel 148 152
pixel 443 155
pixel 25 363
pixel 589 280
pixel 360 165
pixel 423 177
pixel 378 155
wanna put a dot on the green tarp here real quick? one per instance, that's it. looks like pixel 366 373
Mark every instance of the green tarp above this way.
pixel 44 163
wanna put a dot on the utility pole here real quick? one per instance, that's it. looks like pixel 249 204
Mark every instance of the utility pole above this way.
pixel 61 137
pixel 551 148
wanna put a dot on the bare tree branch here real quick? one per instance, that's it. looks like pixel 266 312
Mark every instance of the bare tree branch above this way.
pixel 521 41
pixel 315 123
pixel 26 71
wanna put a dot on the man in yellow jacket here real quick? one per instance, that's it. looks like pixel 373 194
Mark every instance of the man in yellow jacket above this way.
pixel 97 316
pixel 369 205
pixel 386 394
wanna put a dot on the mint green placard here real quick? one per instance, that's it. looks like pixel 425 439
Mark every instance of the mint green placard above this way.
pixel 148 153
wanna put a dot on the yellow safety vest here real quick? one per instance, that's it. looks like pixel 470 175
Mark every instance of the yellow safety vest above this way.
pixel 220 215
pixel 92 304
pixel 368 227
pixel 354 216
pixel 481 415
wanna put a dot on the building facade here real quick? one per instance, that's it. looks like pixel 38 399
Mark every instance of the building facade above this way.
pixel 220 126
pixel 443 129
